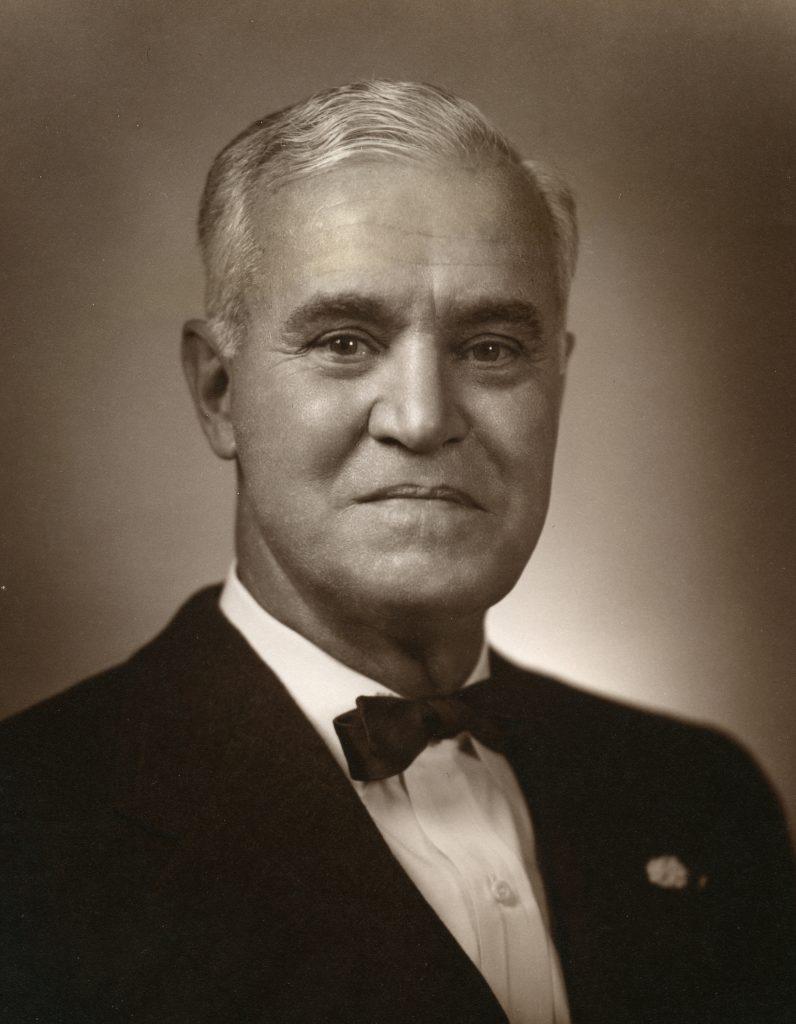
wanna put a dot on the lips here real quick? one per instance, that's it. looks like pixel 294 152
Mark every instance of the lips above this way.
pixel 423 492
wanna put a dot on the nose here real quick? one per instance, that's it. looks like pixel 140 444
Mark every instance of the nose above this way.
pixel 417 406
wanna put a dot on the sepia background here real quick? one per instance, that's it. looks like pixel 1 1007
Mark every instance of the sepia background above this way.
pixel 664 575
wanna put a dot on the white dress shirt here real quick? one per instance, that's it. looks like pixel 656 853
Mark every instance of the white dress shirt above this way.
pixel 455 820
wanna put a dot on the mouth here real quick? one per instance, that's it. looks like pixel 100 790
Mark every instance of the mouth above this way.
pixel 420 492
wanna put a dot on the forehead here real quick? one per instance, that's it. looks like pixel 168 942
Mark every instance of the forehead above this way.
pixel 406 232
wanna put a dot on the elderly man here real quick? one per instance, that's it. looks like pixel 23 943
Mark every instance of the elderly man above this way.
pixel 317 796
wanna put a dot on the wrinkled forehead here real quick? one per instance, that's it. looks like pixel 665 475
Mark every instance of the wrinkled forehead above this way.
pixel 402 227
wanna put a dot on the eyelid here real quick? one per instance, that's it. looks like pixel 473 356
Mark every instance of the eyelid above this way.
pixel 499 336
pixel 493 339
pixel 322 341
pixel 317 340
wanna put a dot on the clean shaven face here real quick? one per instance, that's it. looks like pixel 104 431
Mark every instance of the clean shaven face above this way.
pixel 396 399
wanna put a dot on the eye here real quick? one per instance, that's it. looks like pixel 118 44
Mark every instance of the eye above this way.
pixel 343 345
pixel 491 350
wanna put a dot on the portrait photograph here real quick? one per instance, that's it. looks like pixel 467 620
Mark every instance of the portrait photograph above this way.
pixel 396 555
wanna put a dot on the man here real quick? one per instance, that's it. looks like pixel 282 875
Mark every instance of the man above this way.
pixel 226 828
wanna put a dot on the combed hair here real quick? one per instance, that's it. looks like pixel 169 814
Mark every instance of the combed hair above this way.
pixel 395 120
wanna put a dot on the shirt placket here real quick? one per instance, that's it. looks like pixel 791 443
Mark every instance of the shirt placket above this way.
pixel 510 934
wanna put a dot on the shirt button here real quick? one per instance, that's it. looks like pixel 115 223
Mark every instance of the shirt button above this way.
pixel 503 892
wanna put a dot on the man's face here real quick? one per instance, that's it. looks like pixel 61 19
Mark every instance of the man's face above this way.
pixel 395 402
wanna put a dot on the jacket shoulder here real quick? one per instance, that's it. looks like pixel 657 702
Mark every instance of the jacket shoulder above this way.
pixel 71 742
pixel 634 765
pixel 624 732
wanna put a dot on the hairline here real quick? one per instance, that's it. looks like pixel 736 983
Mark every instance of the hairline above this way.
pixel 239 177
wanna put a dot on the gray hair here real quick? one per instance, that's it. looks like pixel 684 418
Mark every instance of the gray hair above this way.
pixel 395 120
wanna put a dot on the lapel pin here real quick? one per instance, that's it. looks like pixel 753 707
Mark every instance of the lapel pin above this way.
pixel 669 872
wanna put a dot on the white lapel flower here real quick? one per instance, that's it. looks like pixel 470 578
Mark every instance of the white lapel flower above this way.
pixel 668 872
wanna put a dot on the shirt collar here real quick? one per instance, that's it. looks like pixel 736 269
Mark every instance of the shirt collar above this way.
pixel 321 686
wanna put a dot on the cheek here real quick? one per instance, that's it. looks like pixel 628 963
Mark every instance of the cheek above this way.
pixel 293 427
pixel 521 430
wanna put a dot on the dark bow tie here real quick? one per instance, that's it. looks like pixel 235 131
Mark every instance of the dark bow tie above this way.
pixel 382 736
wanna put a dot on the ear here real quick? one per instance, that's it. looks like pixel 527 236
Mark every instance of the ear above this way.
pixel 205 370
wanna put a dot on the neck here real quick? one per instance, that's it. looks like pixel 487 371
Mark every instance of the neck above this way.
pixel 410 651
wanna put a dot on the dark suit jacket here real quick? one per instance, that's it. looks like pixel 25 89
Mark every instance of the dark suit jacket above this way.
pixel 180 846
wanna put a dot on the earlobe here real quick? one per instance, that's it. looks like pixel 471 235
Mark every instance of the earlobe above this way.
pixel 206 371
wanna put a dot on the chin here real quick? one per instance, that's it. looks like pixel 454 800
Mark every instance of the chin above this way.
pixel 434 587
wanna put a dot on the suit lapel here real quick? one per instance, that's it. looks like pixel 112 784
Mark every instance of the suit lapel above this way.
pixel 278 893
pixel 558 790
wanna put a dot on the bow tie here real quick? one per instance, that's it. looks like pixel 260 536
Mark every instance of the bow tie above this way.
pixel 382 736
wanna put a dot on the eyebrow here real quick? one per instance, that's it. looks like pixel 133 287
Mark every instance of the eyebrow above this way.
pixel 342 306
pixel 369 309
pixel 479 312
